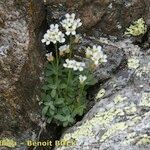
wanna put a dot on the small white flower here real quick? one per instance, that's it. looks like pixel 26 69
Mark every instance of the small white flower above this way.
pixel 96 54
pixel 71 24
pixel 78 37
pixel 82 78
pixel 49 56
pixel 53 35
pixel 64 49
pixel 72 64
pixel 133 63
pixel 89 52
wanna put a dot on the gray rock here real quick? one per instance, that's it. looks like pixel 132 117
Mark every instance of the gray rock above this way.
pixel 120 119
pixel 21 64
pixel 101 16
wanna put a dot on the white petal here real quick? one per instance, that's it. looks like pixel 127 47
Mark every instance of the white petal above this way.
pixel 52 26
pixel 43 40
pixel 54 41
pixel 73 32
pixel 65 65
pixel 67 33
pixel 62 40
pixel 56 25
pixel 48 42
pixel 73 15
pixel 67 15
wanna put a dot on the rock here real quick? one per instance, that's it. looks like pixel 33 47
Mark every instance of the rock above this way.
pixel 101 16
pixel 120 119
pixel 21 62
pixel 115 57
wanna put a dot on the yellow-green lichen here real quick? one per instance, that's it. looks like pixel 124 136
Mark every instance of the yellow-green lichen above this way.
pixel 130 110
pixel 137 28
pixel 115 128
pixel 145 100
pixel 100 94
pixel 102 119
pixel 134 120
pixel 141 139
pixel 143 70
pixel 119 99
pixel 133 63
pixel 144 140
pixel 130 138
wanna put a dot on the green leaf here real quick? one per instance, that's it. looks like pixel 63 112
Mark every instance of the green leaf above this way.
pixel 91 80
pixel 51 112
pixel 63 86
pixel 59 101
pixel 49 66
pixel 54 71
pixel 49 120
pixel 79 110
pixel 44 110
pixel 46 98
pixel 52 107
pixel 45 87
pixel 53 93
pixel 49 73
pixel 65 110
pixel 59 117
pixel 50 104
pixel 65 124
pixel 50 80
pixel 43 96
pixel 52 86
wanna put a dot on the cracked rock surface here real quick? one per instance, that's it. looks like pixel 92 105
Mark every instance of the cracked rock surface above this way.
pixel 120 118
pixel 20 66
pixel 101 16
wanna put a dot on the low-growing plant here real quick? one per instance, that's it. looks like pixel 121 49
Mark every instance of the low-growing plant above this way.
pixel 66 79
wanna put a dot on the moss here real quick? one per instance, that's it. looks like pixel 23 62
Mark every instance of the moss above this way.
pixel 137 28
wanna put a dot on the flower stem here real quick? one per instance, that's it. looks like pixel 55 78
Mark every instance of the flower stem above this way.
pixel 70 56
pixel 70 47
pixel 57 62
pixel 57 56
pixel 69 77
pixel 81 88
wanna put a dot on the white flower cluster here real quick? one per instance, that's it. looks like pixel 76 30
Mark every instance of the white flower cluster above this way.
pixel 71 24
pixel 82 78
pixel 53 35
pixel 96 54
pixel 64 49
pixel 75 65
pixel 49 56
